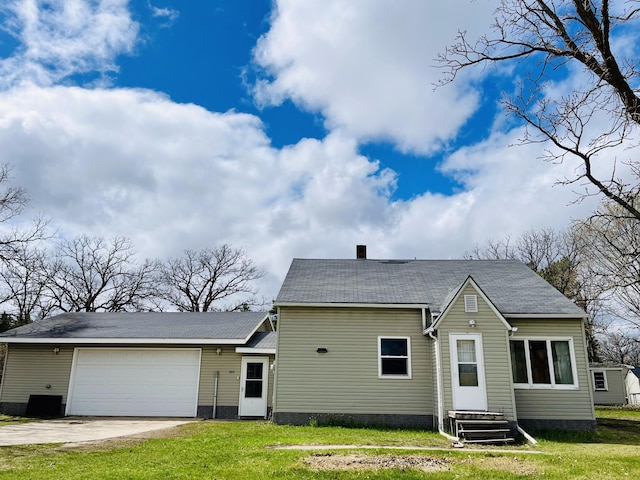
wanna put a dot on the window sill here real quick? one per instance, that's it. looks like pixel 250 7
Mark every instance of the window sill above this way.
pixel 545 387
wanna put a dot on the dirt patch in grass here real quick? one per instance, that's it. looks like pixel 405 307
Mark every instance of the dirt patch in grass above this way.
pixel 356 461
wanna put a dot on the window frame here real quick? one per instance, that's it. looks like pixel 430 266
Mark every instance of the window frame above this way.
pixel 604 377
pixel 546 386
pixel 381 357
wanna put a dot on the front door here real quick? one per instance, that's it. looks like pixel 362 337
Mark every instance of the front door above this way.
pixel 467 372
pixel 253 387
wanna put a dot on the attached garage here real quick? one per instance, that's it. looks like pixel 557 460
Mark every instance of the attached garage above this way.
pixel 134 382
pixel 147 364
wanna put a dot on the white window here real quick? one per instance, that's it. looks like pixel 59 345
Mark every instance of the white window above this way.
pixel 543 363
pixel 471 303
pixel 394 357
pixel 600 380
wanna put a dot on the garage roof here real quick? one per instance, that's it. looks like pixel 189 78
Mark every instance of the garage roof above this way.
pixel 234 328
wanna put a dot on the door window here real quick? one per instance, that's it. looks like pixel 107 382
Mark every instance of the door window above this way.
pixel 467 364
pixel 253 383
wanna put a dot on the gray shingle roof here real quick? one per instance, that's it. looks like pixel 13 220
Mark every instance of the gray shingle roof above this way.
pixel 263 340
pixel 512 287
pixel 229 326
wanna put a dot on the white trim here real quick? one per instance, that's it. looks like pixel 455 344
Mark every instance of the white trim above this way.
pixel 476 287
pixel 140 341
pixel 408 357
pixel 265 318
pixel 354 305
pixel 453 358
pixel 267 351
pixel 546 386
pixel 265 382
pixel 69 399
pixel 4 371
pixel 603 371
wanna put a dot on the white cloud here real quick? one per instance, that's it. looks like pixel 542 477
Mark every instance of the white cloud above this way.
pixel 65 37
pixel 369 66
pixel 175 176
pixel 170 15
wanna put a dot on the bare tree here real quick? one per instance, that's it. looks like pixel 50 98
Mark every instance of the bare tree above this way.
pixel 621 347
pixel 24 284
pixel 611 240
pixel 559 258
pixel 13 201
pixel 91 275
pixel 199 281
pixel 549 36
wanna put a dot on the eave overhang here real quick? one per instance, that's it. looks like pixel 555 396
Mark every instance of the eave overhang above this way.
pixel 265 351
pixel 128 341
pixel 353 305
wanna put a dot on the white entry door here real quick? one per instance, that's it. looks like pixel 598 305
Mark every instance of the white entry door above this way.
pixel 253 387
pixel 467 372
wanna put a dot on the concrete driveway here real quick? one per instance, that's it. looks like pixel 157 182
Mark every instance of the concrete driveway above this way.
pixel 78 430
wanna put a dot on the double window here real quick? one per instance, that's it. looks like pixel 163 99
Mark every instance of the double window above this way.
pixel 394 357
pixel 543 363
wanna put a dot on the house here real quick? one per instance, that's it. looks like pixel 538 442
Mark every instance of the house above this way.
pixel 632 383
pixel 211 364
pixel 608 384
pixel 429 343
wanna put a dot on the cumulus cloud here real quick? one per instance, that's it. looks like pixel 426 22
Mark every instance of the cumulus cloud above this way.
pixel 171 176
pixel 175 176
pixel 63 38
pixel 368 67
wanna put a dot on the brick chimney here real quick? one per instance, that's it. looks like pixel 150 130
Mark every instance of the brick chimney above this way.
pixel 361 252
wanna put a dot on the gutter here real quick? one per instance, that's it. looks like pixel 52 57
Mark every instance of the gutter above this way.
pixel 429 332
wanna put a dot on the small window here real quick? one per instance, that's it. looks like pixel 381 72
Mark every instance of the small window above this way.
pixel 467 363
pixel 471 303
pixel 394 357
pixel 600 381
pixel 542 363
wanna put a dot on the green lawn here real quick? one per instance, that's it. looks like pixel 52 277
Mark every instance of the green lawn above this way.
pixel 8 420
pixel 243 450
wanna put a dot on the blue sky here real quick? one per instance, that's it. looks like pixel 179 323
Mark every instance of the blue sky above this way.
pixel 289 128
pixel 204 56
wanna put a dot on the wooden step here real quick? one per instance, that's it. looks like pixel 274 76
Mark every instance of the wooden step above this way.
pixel 488 422
pixel 501 430
pixel 480 427
pixel 492 440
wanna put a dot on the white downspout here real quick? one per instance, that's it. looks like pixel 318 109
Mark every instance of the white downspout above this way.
pixel 529 438
pixel 441 431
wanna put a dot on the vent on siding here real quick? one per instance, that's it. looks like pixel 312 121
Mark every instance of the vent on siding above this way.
pixel 470 303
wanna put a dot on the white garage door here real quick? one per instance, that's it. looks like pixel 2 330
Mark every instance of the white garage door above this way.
pixel 134 382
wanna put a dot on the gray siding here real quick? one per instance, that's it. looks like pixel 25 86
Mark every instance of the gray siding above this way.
pixel 550 404
pixel 30 368
pixel 616 392
pixel 495 345
pixel 345 380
